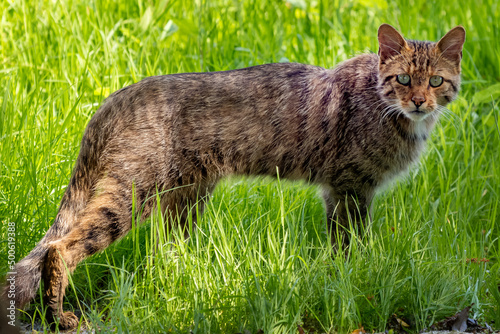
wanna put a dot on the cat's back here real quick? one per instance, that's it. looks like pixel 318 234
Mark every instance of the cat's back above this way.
pixel 234 87
pixel 205 92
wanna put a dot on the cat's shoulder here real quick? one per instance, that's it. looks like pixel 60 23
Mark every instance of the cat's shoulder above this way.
pixel 365 61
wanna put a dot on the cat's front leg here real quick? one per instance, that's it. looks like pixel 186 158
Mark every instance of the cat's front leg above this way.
pixel 343 211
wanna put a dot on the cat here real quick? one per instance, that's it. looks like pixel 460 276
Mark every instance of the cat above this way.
pixel 350 129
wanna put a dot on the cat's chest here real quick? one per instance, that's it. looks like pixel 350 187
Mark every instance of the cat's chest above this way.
pixel 399 161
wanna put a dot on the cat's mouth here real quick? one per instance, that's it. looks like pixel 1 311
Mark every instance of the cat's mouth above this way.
pixel 417 114
pixel 413 112
pixel 418 111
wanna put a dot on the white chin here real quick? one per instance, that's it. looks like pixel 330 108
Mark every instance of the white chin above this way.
pixel 416 116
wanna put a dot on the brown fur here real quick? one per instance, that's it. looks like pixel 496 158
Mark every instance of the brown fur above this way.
pixel 350 129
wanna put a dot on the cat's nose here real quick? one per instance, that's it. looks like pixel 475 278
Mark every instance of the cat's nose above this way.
pixel 418 100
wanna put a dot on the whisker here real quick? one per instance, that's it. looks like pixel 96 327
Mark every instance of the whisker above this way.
pixel 389 111
pixel 449 116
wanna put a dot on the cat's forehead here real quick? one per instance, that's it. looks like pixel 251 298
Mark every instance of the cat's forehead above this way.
pixel 422 54
pixel 419 58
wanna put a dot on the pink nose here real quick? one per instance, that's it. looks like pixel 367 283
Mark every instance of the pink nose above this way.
pixel 418 100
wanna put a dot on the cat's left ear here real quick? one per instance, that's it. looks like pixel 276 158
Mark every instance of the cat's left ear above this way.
pixel 450 46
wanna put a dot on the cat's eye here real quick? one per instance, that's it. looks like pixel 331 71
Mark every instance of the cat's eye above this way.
pixel 403 79
pixel 436 81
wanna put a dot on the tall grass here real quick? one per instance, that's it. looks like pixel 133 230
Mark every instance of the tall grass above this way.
pixel 260 258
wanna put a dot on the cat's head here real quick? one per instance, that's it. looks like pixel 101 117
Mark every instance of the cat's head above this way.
pixel 419 78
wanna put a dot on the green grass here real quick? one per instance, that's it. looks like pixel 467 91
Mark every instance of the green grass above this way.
pixel 260 258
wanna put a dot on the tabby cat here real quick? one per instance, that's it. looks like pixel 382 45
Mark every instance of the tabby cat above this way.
pixel 350 129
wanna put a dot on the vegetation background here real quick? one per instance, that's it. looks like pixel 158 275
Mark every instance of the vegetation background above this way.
pixel 260 258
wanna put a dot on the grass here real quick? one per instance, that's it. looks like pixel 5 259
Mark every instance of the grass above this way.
pixel 260 258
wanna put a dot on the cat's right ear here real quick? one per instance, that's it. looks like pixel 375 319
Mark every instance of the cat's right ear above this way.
pixel 390 41
pixel 452 43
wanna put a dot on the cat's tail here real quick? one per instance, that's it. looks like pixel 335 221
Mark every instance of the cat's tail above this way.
pixel 23 279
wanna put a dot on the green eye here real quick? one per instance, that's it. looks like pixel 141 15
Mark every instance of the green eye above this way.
pixel 436 81
pixel 403 79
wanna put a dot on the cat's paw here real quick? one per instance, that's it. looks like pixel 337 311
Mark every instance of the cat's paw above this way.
pixel 68 320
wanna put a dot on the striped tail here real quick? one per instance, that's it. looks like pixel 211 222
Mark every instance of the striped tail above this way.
pixel 26 276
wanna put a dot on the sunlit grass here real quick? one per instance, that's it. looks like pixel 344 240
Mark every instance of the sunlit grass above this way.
pixel 260 258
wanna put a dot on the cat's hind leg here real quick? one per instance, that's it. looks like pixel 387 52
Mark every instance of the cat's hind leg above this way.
pixel 106 218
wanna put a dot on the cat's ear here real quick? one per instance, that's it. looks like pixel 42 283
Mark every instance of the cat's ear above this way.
pixel 450 46
pixel 390 41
